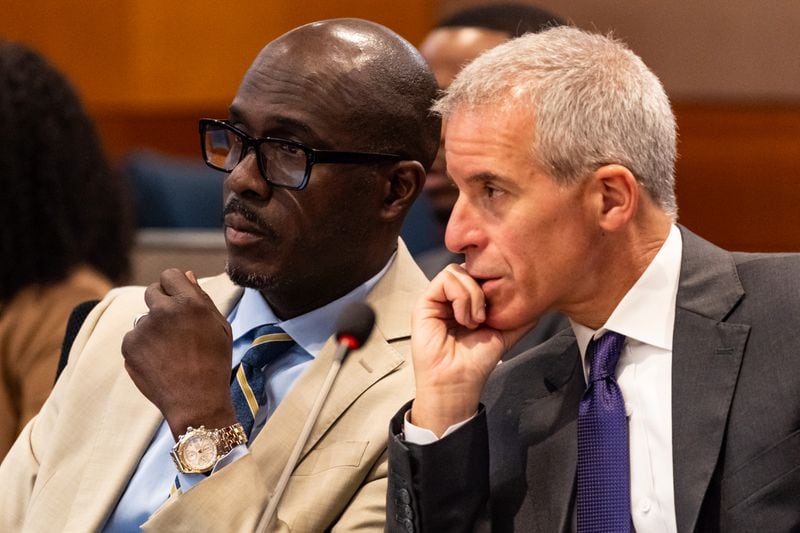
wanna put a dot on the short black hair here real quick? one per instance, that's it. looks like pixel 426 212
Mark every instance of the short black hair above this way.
pixel 61 204
pixel 513 19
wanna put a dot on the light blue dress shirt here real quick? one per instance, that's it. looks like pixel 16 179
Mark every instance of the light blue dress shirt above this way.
pixel 152 480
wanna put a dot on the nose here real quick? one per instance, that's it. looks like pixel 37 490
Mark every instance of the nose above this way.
pixel 245 179
pixel 463 229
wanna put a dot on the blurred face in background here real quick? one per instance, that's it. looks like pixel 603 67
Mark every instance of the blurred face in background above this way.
pixel 447 51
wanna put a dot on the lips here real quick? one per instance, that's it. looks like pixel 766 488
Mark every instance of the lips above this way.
pixel 239 222
pixel 485 281
pixel 488 284
pixel 241 232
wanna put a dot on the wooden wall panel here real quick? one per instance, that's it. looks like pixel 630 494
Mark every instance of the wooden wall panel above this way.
pixel 153 55
pixel 738 174
pixel 89 40
pixel 148 69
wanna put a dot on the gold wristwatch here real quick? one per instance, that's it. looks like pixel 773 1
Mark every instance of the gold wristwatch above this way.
pixel 198 450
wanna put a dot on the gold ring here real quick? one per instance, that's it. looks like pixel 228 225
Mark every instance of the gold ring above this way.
pixel 138 318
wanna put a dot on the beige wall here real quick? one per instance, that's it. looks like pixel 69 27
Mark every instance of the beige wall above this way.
pixel 701 49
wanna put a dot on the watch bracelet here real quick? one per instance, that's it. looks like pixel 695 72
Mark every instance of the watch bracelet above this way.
pixel 230 437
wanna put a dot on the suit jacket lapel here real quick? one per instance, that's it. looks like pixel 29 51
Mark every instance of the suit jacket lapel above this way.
pixel 551 464
pixel 707 354
pixel 391 299
pixel 545 387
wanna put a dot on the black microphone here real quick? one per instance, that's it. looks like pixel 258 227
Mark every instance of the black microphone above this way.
pixel 353 327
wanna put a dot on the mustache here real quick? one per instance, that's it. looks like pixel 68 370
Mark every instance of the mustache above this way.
pixel 235 205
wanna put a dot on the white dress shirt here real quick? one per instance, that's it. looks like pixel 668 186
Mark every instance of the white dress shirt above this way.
pixel 152 480
pixel 646 316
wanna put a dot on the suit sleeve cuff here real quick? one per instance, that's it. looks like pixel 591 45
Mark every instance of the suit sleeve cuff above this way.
pixel 421 436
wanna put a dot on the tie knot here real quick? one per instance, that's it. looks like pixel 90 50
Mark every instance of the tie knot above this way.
pixel 604 354
pixel 269 343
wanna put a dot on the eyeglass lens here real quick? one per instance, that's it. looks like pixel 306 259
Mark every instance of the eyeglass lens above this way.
pixel 282 163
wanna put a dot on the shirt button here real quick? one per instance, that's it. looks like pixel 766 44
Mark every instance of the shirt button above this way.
pixel 628 409
pixel 645 506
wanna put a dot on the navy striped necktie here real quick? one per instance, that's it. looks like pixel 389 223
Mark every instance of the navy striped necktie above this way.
pixel 604 497
pixel 247 387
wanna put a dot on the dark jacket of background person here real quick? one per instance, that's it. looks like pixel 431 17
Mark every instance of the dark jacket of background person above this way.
pixel 64 236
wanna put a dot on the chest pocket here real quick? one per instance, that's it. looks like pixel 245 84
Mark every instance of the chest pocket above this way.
pixel 338 454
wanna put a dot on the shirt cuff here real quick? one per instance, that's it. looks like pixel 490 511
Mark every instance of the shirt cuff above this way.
pixel 421 436
pixel 190 480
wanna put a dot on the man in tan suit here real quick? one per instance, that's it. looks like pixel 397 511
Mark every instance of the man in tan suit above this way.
pixel 326 147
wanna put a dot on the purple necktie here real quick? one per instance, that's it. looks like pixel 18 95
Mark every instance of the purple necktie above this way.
pixel 604 496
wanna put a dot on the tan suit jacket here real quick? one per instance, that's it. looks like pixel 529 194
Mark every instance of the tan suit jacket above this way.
pixel 71 464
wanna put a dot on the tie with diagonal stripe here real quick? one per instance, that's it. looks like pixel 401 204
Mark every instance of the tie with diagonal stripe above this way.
pixel 247 387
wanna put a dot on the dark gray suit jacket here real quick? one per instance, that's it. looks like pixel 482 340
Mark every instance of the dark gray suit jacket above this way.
pixel 735 417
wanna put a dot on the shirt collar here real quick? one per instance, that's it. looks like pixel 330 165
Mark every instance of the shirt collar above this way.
pixel 310 330
pixel 647 311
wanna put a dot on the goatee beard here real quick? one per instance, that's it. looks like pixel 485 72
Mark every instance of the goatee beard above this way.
pixel 250 280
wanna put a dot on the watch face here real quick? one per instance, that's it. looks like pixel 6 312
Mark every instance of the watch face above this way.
pixel 199 452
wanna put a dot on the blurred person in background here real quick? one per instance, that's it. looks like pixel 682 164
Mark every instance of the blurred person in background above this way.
pixel 64 237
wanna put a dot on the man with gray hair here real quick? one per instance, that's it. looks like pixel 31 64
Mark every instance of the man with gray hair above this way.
pixel 648 415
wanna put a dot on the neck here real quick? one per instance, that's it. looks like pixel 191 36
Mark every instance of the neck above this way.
pixel 297 297
pixel 621 260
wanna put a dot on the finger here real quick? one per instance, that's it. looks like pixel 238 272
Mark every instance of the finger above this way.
pixel 129 341
pixel 154 296
pixel 451 299
pixel 466 296
pixel 454 297
pixel 478 298
pixel 175 282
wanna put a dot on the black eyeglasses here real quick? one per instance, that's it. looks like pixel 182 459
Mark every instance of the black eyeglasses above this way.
pixel 281 162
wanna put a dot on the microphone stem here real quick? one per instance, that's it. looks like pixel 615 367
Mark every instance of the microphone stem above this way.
pixel 341 352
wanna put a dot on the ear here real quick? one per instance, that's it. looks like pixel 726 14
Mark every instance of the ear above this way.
pixel 618 196
pixel 404 183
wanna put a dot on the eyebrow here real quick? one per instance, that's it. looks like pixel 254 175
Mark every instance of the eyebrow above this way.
pixel 287 124
pixel 234 114
pixel 484 177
